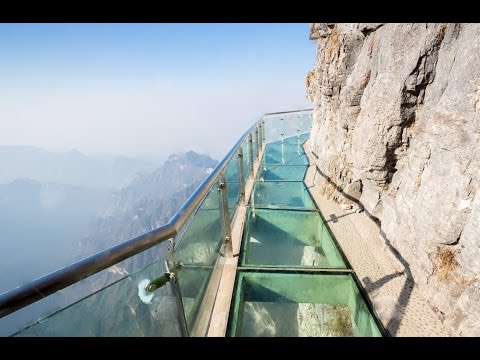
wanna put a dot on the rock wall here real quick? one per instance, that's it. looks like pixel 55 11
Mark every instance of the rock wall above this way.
pixel 397 133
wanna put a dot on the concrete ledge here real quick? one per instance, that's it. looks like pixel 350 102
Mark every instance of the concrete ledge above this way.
pixel 221 308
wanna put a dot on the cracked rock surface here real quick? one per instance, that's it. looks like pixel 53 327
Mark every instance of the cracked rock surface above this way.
pixel 396 131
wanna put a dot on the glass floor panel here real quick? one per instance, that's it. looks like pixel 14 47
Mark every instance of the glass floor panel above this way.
pixel 286 159
pixel 278 149
pixel 278 172
pixel 268 303
pixel 288 238
pixel 289 195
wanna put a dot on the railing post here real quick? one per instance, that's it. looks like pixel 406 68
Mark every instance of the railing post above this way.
pixel 282 131
pixel 263 129
pixel 250 152
pixel 225 216
pixel 172 269
pixel 298 126
pixel 241 179
pixel 256 142
pixel 260 135
pixel 298 141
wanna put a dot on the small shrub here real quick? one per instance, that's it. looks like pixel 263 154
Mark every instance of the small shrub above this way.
pixel 445 263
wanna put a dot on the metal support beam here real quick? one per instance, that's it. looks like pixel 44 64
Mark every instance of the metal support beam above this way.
pixel 172 269
pixel 260 142
pixel 298 270
pixel 263 129
pixel 225 216
pixel 256 142
pixel 241 178
pixel 250 152
pixel 282 132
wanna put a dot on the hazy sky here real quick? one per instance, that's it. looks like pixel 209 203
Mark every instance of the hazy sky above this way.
pixel 147 89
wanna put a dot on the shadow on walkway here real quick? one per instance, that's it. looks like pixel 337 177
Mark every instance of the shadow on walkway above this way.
pixel 404 296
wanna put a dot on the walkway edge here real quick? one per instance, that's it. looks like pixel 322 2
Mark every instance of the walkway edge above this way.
pixel 221 308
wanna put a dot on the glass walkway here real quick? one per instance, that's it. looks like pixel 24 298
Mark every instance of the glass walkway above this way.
pixel 292 278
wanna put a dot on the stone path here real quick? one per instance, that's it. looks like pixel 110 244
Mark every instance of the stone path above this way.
pixel 397 302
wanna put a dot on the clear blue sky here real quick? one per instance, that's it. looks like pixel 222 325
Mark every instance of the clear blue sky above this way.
pixel 146 89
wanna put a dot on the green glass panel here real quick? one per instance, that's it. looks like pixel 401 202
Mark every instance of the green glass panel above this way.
pixel 272 129
pixel 277 194
pixel 200 244
pixel 287 125
pixel 268 303
pixel 231 171
pixel 292 141
pixel 233 185
pixel 272 172
pixel 290 126
pixel 288 238
pixel 277 150
pixel 305 122
pixel 118 310
pixel 254 143
pixel 292 158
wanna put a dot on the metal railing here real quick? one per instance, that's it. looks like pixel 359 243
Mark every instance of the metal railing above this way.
pixel 44 286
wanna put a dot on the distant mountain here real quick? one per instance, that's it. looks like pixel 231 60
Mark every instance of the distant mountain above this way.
pixel 146 203
pixel 39 223
pixel 71 167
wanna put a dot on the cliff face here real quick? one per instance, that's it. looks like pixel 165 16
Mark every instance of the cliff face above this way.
pixel 397 132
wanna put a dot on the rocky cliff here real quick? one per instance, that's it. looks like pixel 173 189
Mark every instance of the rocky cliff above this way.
pixel 396 133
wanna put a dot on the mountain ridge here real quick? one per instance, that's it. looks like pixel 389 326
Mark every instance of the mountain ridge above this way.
pixel 69 167
pixel 147 202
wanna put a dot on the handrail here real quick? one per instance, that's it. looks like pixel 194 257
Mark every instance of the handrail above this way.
pixel 23 295
pixel 286 112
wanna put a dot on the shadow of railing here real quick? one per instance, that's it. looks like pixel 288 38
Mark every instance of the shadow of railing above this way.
pixel 334 218
pixel 374 285
pixel 405 293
